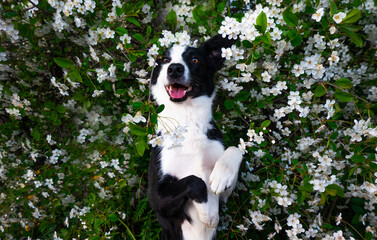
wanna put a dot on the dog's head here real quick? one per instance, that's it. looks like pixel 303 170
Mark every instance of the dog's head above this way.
pixel 182 73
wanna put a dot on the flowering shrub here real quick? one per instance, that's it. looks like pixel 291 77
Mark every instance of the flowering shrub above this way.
pixel 298 95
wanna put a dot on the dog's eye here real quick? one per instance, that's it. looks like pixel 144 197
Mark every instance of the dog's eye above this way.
pixel 195 60
pixel 165 60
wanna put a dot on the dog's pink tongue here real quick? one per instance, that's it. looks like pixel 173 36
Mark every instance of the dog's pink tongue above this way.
pixel 177 92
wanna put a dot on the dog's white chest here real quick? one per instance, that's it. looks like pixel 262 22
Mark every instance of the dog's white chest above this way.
pixel 197 156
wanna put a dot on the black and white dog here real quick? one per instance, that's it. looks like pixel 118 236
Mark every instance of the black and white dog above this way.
pixel 186 183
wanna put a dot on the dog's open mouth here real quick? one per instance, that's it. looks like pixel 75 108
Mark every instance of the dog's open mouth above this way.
pixel 177 91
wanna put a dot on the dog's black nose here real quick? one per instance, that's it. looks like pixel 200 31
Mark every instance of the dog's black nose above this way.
pixel 176 70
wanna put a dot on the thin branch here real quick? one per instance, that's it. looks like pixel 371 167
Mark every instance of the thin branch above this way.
pixel 337 87
pixel 36 6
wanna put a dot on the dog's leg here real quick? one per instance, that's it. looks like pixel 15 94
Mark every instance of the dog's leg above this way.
pixel 173 194
pixel 209 211
pixel 224 174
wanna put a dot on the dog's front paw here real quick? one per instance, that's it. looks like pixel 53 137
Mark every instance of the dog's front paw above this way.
pixel 209 221
pixel 222 178
pixel 208 214
pixel 224 174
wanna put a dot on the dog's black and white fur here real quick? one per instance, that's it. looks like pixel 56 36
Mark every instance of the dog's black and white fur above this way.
pixel 186 183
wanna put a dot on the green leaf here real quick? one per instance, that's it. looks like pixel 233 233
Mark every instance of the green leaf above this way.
pixel 247 44
pixel 333 125
pixel 357 3
pixel 333 8
pixel 140 148
pixel 86 104
pixel 300 198
pixel 54 116
pixel 139 131
pixel 36 135
pixel 61 109
pixel 75 76
pixel 138 53
pixel 221 6
pixel 200 15
pixel 64 62
pixel 128 8
pixel 154 118
pixel 352 171
pixel 351 27
pixel 319 91
pixel 334 136
pixel 228 104
pixel 327 226
pixel 373 166
pixel 149 30
pixel 331 192
pixel 356 39
pixel 297 41
pixel 243 96
pixel 262 22
pixel 97 223
pixel 323 199
pixel 132 57
pixel 160 108
pixel 113 217
pixel 26 31
pixel 308 186
pixel 137 105
pixel 50 105
pixel 46 226
pixel 369 236
pixel 357 209
pixel 358 158
pixel 171 19
pixel 139 5
pixel 266 38
pixel 344 83
pixel 256 54
pixel 292 34
pixel 358 202
pixel 121 91
pixel 138 37
pixel 343 96
pixel 290 18
pixel 118 11
pixel 121 31
pixel 265 124
pixel 10 14
pixel 352 16
pixel 133 20
pixel 334 188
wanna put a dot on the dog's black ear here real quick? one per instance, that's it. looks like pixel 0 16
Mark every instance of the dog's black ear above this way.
pixel 212 48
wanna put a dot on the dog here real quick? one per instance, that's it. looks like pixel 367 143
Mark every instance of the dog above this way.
pixel 187 183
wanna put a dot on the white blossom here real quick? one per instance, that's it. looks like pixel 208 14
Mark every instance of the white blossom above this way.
pixel 318 14
pixel 339 17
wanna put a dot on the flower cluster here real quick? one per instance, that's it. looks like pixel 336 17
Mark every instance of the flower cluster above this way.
pixel 170 138
pixel 183 11
pixel 361 129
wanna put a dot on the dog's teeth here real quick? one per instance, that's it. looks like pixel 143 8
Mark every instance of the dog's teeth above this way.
pixel 189 89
